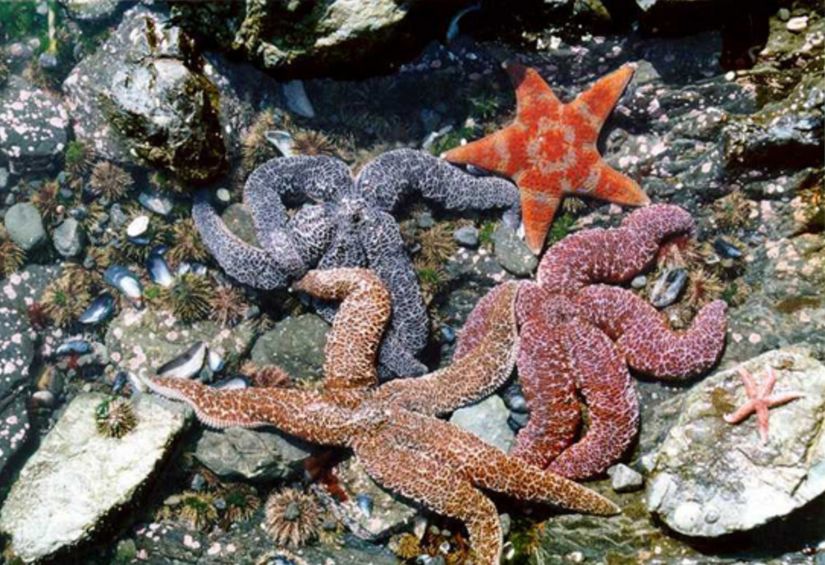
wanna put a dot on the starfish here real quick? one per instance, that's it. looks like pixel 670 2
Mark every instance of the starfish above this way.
pixel 760 401
pixel 580 336
pixel 549 150
pixel 346 222
pixel 392 428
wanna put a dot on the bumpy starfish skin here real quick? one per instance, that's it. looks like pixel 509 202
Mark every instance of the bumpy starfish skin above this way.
pixel 550 149
pixel 428 460
pixel 760 401
pixel 346 222
pixel 578 336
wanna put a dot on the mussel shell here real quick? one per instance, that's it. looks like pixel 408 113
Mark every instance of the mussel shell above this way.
pixel 668 287
pixel 124 280
pixel 185 365
pixel 100 309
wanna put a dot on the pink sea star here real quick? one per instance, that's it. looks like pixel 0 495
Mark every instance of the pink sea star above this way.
pixel 391 428
pixel 578 336
pixel 760 401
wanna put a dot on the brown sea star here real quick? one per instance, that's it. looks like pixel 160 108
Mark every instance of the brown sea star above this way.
pixel 390 427
pixel 760 401
pixel 580 336
pixel 549 150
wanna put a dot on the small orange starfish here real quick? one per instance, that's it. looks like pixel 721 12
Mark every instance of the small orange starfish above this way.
pixel 549 150
pixel 759 401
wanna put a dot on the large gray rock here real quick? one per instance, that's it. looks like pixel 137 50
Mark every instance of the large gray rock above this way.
pixel 33 127
pixel 488 420
pixel 146 82
pixel 712 478
pixel 294 344
pixel 25 226
pixel 240 453
pixel 16 352
pixel 140 341
pixel 370 512
pixel 78 478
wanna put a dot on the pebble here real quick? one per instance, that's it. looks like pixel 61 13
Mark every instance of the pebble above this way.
pixel 783 14
pixel 4 178
pixel 223 195
pixel 25 226
pixel 624 479
pixel 297 100
pixel 425 220
pixel 68 238
pixel 466 236
pixel 638 282
pixel 138 226
pixel 155 202
pixel 797 24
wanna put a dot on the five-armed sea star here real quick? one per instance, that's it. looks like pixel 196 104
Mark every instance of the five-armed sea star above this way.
pixel 579 336
pixel 346 222
pixel 760 401
pixel 550 149
pixel 391 428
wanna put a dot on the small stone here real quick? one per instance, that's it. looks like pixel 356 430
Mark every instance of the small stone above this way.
pixel 68 238
pixel 638 282
pixel 783 14
pixel 425 220
pixel 466 236
pixel 4 178
pixel 512 253
pixel 488 420
pixel 25 226
pixel 138 226
pixel 797 24
pixel 624 479
pixel 223 195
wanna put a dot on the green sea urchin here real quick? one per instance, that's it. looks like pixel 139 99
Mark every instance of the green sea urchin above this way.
pixel 227 305
pixel 188 297
pixel 292 517
pixel 186 244
pixel 115 418
pixel 110 181
pixel 64 301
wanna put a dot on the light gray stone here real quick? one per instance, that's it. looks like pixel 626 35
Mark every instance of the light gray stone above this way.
pixel 625 479
pixel 78 478
pixel 713 478
pixel 25 226
pixel 466 236
pixel 68 238
pixel 488 420
pixel 294 344
pixel 511 252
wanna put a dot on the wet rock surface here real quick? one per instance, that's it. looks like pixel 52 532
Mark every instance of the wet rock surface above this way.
pixel 239 453
pixel 294 344
pixel 488 420
pixel 78 478
pixel 752 483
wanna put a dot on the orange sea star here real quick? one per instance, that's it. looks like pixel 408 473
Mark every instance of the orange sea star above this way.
pixel 549 150
pixel 760 401
pixel 391 428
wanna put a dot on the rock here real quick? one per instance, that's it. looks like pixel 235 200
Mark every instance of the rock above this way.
pixel 307 37
pixel 16 353
pixel 25 226
pixel 370 512
pixel 68 238
pixel 297 100
pixel 239 221
pixel 4 178
pixel 33 127
pixel 797 24
pixel 146 82
pixel 294 344
pixel 713 478
pixel 624 479
pixel 90 10
pixel 512 253
pixel 80 479
pixel 488 420
pixel 240 453
pixel 140 341
pixel 466 236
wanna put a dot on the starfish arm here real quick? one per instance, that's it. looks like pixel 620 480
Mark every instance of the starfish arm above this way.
pixel 751 389
pixel 352 344
pixel 395 175
pixel 245 263
pixel 596 103
pixel 380 237
pixel 612 186
pixel 546 377
pixel 613 255
pixel 498 152
pixel 490 468
pixel 476 374
pixel 780 399
pixel 540 199
pixel 769 382
pixel 422 479
pixel 643 336
pixel 308 415
pixel 532 92
pixel 611 400
pixel 740 414
pixel 762 421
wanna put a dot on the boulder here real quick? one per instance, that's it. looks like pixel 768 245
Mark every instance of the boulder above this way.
pixel 240 453
pixel 33 127
pixel 147 83
pixel 294 344
pixel 712 478
pixel 16 352
pixel 77 479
